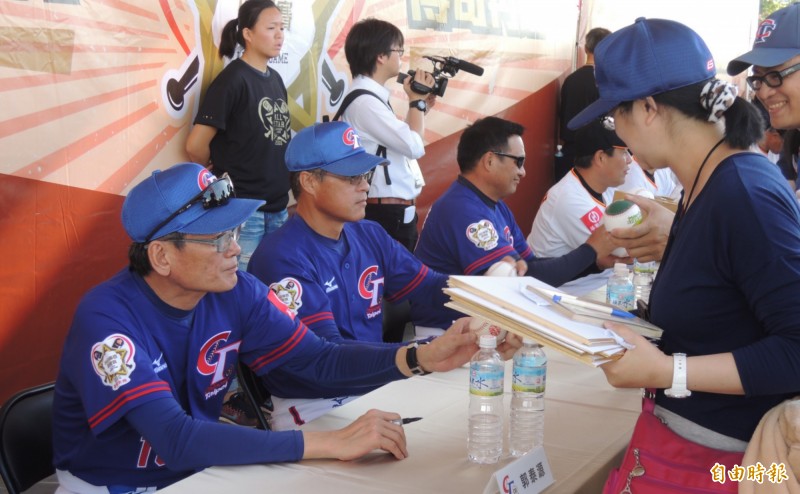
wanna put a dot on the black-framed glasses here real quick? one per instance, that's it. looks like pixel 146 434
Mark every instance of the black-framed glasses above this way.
pixel 352 180
pixel 772 79
pixel 518 160
pixel 221 242
pixel 401 51
pixel 215 194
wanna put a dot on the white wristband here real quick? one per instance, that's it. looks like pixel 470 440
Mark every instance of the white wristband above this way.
pixel 678 389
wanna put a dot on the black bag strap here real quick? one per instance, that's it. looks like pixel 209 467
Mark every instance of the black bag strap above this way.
pixel 351 96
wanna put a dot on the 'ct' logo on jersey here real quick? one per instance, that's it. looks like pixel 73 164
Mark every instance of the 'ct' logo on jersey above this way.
pixel 213 361
pixel 369 287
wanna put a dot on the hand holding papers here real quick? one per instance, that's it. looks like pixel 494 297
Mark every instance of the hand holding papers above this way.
pixel 504 302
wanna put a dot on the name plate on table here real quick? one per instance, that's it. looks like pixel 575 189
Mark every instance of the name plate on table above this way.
pixel 529 474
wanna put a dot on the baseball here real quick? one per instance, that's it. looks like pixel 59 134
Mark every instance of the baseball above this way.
pixel 621 214
pixel 501 268
pixel 481 326
pixel 641 191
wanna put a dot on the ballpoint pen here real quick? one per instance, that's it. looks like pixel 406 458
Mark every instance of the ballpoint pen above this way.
pixel 406 420
pixel 563 298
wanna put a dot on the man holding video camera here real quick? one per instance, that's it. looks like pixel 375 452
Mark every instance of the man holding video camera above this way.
pixel 374 49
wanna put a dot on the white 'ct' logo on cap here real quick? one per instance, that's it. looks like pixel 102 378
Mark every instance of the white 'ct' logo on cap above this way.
pixel 351 138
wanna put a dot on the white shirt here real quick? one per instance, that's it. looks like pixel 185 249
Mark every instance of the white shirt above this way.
pixel 663 185
pixel 566 218
pixel 377 124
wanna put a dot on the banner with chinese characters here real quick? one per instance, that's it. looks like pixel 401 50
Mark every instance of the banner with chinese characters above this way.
pixel 97 94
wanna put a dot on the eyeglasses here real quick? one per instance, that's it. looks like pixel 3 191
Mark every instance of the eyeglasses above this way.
pixel 518 160
pixel 215 194
pixel 401 51
pixel 222 242
pixel 353 180
pixel 772 79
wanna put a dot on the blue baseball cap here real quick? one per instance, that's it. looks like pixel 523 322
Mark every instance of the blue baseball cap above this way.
pixel 149 209
pixel 331 146
pixel 649 57
pixel 777 40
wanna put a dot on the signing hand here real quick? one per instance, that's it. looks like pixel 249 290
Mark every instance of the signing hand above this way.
pixel 371 431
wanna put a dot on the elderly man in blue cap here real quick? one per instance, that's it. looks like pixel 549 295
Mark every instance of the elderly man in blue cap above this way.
pixel 152 351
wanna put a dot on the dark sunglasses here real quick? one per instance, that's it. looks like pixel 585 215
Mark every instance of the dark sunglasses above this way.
pixel 215 194
pixel 772 79
pixel 518 160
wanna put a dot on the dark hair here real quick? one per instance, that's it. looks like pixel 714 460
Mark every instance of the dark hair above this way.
pixel 742 121
pixel 593 37
pixel 586 160
pixel 294 183
pixel 248 16
pixel 486 134
pixel 367 40
pixel 139 262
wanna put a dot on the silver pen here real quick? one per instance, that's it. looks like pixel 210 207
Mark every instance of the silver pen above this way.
pixel 405 421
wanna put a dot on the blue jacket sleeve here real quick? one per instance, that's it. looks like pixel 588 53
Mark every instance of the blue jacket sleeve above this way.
pixel 182 442
pixel 558 270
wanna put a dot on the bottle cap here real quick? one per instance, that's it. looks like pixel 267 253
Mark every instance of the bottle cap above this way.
pixel 488 341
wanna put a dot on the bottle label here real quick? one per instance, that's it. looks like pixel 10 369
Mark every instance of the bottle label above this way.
pixel 529 379
pixel 625 299
pixel 485 382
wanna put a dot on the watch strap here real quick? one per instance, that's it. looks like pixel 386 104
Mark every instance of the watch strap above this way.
pixel 679 388
pixel 412 362
pixel 419 104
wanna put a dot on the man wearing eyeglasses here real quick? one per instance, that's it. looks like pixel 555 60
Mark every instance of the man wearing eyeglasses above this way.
pixel 469 228
pixel 573 208
pixel 335 269
pixel 152 351
pixel 775 58
pixel 374 51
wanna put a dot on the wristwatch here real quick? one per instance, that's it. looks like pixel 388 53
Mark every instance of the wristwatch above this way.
pixel 419 104
pixel 412 362
pixel 678 389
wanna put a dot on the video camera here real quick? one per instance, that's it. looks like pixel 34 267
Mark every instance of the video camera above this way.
pixel 443 69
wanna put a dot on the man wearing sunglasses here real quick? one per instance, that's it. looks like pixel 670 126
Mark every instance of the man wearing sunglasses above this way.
pixel 152 351
pixel 334 269
pixel 573 208
pixel 469 228
pixel 775 58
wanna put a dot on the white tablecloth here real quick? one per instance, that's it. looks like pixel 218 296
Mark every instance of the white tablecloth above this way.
pixel 587 426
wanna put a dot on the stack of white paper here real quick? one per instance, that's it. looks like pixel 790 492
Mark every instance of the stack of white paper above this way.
pixel 501 301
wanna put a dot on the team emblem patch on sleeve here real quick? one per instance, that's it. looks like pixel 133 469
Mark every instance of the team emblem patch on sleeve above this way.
pixel 290 292
pixel 482 234
pixel 592 219
pixel 112 360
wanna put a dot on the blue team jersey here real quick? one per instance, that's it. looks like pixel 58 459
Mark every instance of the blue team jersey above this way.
pixel 126 347
pixel 336 287
pixel 465 233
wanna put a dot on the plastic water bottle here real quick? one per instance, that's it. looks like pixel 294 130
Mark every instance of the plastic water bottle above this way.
pixel 527 399
pixel 485 439
pixel 620 288
pixel 643 275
